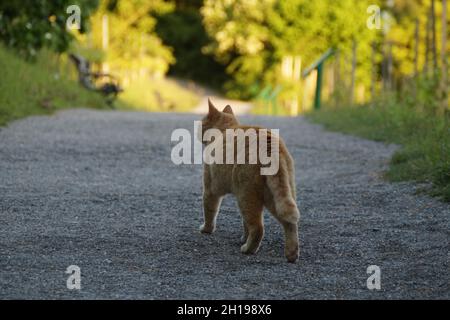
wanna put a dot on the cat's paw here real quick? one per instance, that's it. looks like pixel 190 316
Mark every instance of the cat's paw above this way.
pixel 292 255
pixel 246 249
pixel 206 229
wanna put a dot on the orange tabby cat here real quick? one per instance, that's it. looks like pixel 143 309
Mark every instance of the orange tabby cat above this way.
pixel 253 190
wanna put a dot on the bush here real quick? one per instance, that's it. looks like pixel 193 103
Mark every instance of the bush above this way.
pixel 418 125
pixel 28 25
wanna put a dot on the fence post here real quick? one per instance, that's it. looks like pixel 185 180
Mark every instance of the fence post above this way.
pixel 427 44
pixel 444 62
pixel 318 86
pixel 337 80
pixel 433 36
pixel 416 47
pixel 105 40
pixel 373 79
pixel 353 74
pixel 318 65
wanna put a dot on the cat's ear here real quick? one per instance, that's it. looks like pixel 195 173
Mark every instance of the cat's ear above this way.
pixel 212 111
pixel 228 109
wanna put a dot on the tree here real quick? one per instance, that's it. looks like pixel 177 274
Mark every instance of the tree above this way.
pixel 187 45
pixel 133 45
pixel 252 37
pixel 444 62
pixel 240 40
pixel 29 25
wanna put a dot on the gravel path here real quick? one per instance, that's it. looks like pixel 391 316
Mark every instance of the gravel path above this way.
pixel 239 107
pixel 98 190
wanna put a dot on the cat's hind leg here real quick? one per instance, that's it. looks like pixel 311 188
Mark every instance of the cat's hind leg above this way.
pixel 290 225
pixel 284 208
pixel 290 240
pixel 245 235
pixel 288 217
pixel 251 207
pixel 211 204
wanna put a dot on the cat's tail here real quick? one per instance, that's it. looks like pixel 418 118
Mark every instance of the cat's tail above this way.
pixel 282 187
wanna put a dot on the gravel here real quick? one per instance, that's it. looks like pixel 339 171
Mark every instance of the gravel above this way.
pixel 98 190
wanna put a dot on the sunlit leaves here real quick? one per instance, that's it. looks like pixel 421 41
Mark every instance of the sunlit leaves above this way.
pixel 29 25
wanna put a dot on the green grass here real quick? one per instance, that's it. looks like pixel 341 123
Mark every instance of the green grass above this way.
pixel 38 88
pixel 159 95
pixel 423 135
pixel 49 84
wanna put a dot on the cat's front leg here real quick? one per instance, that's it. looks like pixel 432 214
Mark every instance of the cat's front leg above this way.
pixel 211 204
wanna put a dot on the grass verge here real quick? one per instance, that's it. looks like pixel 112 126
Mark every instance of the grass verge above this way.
pixel 38 88
pixel 46 85
pixel 424 136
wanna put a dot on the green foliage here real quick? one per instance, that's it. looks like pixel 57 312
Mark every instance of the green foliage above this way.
pixel 240 40
pixel 405 14
pixel 423 132
pixel 133 46
pixel 252 37
pixel 29 25
pixel 39 88
pixel 191 63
